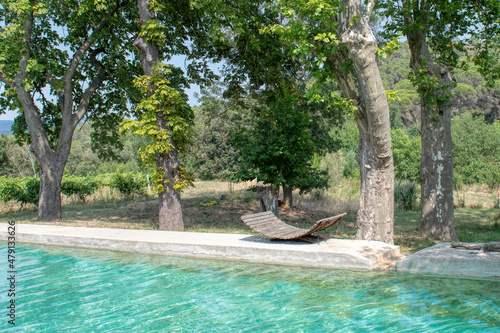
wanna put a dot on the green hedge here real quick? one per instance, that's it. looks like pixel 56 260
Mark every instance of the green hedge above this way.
pixel 26 190
pixel 23 190
pixel 80 186
pixel 128 183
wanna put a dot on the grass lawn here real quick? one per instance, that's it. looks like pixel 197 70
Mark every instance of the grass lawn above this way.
pixel 204 211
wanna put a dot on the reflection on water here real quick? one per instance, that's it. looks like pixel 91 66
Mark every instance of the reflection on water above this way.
pixel 76 290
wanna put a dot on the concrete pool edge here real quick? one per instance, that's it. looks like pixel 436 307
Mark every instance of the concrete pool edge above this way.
pixel 443 260
pixel 439 260
pixel 333 253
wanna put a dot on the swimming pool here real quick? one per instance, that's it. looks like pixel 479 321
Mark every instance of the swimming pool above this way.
pixel 77 290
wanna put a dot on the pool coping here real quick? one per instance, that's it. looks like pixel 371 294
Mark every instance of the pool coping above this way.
pixel 332 253
pixel 440 259
pixel 443 260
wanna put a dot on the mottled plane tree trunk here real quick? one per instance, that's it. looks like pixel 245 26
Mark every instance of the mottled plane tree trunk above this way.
pixel 361 83
pixel 434 83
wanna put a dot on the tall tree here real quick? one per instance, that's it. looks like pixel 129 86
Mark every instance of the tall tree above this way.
pixel 336 40
pixel 278 150
pixel 438 32
pixel 54 58
pixel 170 28
pixel 165 148
pixel 434 82
pixel 260 67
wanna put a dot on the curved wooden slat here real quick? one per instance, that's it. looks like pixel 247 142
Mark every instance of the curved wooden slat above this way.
pixel 269 225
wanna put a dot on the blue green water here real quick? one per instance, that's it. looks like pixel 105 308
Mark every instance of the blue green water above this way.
pixel 75 290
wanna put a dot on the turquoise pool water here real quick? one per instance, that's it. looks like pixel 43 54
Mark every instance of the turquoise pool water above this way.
pixel 75 290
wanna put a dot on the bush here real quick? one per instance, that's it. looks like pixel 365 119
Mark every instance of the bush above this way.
pixel 406 152
pixel 23 190
pixel 128 183
pixel 476 151
pixel 79 186
pixel 481 172
pixel 405 194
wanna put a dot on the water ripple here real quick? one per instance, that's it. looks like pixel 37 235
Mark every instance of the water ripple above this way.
pixel 76 290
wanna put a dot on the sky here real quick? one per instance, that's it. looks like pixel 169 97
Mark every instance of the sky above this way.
pixel 178 61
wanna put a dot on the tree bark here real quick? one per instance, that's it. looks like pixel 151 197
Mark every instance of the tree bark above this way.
pixel 287 197
pixel 49 204
pixel 269 199
pixel 436 172
pixel 170 209
pixel 362 84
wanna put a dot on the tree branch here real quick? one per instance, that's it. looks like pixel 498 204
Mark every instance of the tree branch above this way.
pixel 369 10
pixel 28 29
pixel 87 95
pixel 39 138
pixel 52 82
pixel 75 61
pixel 491 246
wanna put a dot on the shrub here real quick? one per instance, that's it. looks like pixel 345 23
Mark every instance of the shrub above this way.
pixel 405 194
pixel 406 151
pixel 79 186
pixel 23 190
pixel 128 183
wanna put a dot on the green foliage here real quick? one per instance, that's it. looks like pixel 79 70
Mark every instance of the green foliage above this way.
pixel 128 183
pixel 16 160
pixel 254 60
pixel 279 149
pixel 83 161
pixel 166 120
pixel 471 93
pixel 212 154
pixel 345 137
pixel 406 151
pixel 450 28
pixel 79 186
pixel 26 190
pixel 60 29
pixel 476 150
pixel 429 86
pixel 405 194
pixel 23 190
pixel 313 27
pixel 338 166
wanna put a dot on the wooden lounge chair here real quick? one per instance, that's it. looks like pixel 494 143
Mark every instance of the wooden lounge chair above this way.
pixel 269 225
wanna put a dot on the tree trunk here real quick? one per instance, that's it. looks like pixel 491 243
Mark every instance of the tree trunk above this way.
pixel 287 197
pixel 436 175
pixel 436 172
pixel 269 199
pixel 170 210
pixel 49 203
pixel 361 82
pixel 170 214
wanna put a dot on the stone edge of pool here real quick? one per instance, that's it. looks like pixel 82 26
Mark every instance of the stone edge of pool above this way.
pixel 442 259
pixel 439 259
pixel 333 253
